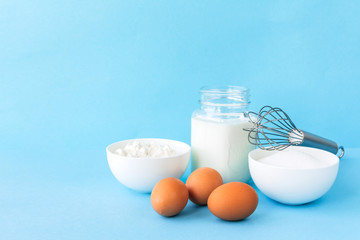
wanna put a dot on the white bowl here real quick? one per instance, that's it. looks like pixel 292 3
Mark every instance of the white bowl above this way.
pixel 291 185
pixel 141 174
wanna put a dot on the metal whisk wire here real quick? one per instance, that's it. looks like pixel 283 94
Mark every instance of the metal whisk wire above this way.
pixel 274 130
pixel 271 128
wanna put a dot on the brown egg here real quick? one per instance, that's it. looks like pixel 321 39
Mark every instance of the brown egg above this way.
pixel 201 183
pixel 233 201
pixel 169 197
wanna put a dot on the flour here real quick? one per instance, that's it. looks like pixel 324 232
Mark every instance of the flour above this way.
pixel 151 149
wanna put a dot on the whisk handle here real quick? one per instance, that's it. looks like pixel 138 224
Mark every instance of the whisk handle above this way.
pixel 312 140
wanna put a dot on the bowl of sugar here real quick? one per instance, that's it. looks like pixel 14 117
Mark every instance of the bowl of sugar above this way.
pixel 296 175
pixel 140 163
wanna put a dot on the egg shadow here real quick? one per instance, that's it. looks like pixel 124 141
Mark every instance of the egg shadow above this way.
pixel 203 212
pixel 241 221
pixel 192 209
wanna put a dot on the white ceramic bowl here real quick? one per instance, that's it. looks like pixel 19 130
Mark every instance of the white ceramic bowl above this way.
pixel 141 174
pixel 290 185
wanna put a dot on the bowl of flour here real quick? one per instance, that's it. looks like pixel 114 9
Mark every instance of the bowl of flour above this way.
pixel 296 175
pixel 140 163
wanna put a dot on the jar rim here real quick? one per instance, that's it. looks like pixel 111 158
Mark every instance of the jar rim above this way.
pixel 225 96
pixel 224 89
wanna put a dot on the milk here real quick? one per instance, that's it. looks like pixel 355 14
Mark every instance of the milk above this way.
pixel 222 145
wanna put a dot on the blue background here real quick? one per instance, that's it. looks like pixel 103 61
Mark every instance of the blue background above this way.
pixel 76 76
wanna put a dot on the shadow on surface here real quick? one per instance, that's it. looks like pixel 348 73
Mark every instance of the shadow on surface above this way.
pixel 192 209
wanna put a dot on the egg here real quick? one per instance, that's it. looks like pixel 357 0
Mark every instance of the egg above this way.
pixel 169 197
pixel 233 201
pixel 201 183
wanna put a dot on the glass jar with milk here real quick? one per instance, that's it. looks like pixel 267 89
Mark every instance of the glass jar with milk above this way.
pixel 218 138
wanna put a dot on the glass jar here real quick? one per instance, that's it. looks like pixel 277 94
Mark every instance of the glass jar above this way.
pixel 218 138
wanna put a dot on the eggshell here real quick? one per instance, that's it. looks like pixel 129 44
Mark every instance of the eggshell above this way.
pixel 201 183
pixel 169 197
pixel 233 201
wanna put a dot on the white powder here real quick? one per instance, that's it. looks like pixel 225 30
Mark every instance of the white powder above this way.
pixel 294 158
pixel 151 149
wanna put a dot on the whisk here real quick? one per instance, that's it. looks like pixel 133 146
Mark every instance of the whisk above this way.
pixel 274 130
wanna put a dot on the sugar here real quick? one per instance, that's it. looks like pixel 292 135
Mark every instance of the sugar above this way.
pixel 294 158
pixel 137 149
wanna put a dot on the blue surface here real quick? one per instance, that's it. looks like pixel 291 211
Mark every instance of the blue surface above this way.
pixel 73 195
pixel 76 76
